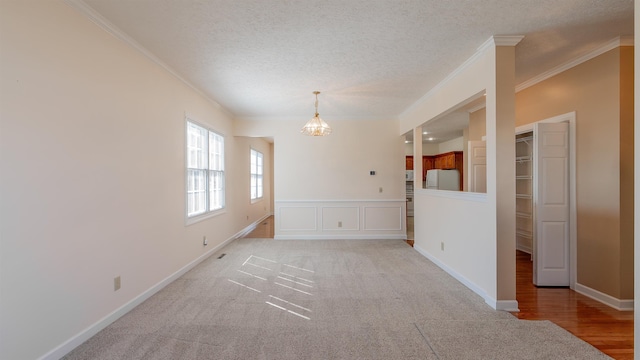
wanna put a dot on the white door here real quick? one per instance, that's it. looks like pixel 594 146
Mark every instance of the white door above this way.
pixel 477 174
pixel 551 204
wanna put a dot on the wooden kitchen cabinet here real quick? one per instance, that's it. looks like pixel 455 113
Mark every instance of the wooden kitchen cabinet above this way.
pixel 438 163
pixel 445 161
pixel 409 163
pixel 428 163
pixel 449 161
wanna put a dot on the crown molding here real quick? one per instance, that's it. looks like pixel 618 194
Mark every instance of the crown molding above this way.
pixel 497 40
pixel 627 40
pixel 476 108
pixel 512 41
pixel 436 88
pixel 610 45
pixel 304 118
pixel 507 40
pixel 501 40
pixel 109 27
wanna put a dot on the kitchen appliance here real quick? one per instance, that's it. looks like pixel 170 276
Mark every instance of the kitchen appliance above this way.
pixel 443 179
pixel 409 198
pixel 409 181
pixel 408 175
pixel 409 204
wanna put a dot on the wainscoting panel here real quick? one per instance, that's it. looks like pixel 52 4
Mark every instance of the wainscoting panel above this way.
pixel 383 218
pixel 298 218
pixel 340 219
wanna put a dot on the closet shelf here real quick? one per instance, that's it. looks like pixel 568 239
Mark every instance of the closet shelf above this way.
pixel 524 233
pixel 524 190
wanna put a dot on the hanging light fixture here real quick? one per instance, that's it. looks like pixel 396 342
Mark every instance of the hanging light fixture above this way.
pixel 315 126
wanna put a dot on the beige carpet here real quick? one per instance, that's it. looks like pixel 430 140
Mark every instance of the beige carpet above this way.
pixel 331 299
pixel 504 339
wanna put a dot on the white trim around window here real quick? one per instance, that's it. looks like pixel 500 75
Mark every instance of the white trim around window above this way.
pixel 257 175
pixel 204 172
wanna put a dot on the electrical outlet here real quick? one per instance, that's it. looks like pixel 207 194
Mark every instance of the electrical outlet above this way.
pixel 442 245
pixel 204 241
pixel 380 189
pixel 116 283
pixel 339 223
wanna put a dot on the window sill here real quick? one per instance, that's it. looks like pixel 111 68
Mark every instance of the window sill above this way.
pixel 205 216
pixel 255 201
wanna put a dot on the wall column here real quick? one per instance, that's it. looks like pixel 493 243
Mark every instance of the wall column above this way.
pixel 417 157
pixel 500 99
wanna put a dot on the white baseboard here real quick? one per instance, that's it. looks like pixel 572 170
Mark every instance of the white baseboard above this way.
pixel 503 305
pixel 506 305
pixel 341 237
pixel 250 228
pixel 66 347
pixel 526 249
pixel 468 283
pixel 618 304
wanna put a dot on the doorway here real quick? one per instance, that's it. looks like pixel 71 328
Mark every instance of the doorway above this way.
pixel 531 214
pixel 409 190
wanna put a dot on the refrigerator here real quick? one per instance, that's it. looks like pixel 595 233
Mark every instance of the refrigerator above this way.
pixel 443 180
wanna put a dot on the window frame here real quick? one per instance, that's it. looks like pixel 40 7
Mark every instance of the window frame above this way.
pixel 205 166
pixel 259 175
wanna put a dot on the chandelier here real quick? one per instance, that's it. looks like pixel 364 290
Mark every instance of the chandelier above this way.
pixel 316 126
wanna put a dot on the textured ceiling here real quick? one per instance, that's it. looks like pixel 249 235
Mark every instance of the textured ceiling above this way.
pixel 371 59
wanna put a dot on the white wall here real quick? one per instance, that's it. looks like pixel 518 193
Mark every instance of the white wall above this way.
pixel 466 256
pixel 92 178
pixel 313 173
pixel 456 144
pixel 338 166
pixel 491 275
pixel 427 149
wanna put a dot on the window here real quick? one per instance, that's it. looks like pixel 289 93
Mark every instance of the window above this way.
pixel 256 174
pixel 205 170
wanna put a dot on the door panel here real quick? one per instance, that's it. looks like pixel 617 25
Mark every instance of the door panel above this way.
pixel 555 193
pixel 555 252
pixel 477 174
pixel 551 204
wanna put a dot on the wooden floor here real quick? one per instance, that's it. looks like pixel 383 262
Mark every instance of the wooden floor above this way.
pixel 607 329
pixel 264 230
